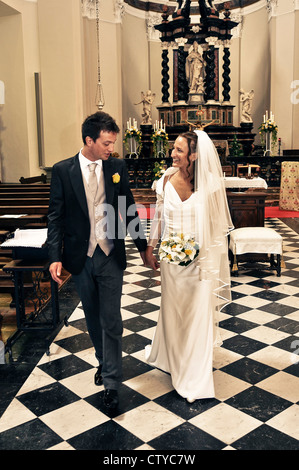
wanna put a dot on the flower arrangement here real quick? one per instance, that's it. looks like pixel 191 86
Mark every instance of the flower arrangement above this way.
pixel 159 170
pixel 132 138
pixel 236 148
pixel 268 129
pixel 179 249
pixel 160 139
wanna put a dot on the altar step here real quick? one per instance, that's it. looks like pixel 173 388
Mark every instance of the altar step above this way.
pixel 272 198
pixel 147 196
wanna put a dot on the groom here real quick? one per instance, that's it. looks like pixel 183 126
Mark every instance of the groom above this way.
pixel 86 235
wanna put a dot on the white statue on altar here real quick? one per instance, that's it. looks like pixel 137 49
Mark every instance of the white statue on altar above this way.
pixel 195 75
pixel 194 70
pixel 246 105
pixel 147 100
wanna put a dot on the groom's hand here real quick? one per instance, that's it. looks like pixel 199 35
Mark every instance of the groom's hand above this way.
pixel 150 259
pixel 55 271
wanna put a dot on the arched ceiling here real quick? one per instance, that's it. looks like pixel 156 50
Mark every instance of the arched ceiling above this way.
pixel 157 7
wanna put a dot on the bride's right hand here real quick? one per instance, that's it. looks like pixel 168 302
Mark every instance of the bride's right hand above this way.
pixel 150 259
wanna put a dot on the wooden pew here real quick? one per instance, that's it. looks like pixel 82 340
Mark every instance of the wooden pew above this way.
pixel 24 209
pixel 24 195
pixel 20 201
pixel 24 188
pixel 17 198
pixel 34 179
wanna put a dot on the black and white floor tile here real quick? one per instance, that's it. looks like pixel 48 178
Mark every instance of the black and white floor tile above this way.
pixel 256 373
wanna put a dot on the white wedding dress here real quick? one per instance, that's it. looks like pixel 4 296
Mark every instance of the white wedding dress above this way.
pixel 183 341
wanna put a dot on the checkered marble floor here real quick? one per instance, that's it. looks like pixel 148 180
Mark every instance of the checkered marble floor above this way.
pixel 256 374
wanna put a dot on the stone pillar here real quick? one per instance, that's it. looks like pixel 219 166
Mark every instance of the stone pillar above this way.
pixel 210 70
pixel 165 74
pixel 182 82
pixel 226 73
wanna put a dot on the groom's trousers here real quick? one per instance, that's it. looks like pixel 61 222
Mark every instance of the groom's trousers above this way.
pixel 99 285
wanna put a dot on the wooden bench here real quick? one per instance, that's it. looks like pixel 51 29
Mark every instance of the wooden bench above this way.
pixel 23 187
pixel 20 201
pixel 34 179
pixel 24 209
pixel 34 320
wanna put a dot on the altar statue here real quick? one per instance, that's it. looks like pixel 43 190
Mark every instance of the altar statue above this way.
pixel 182 9
pixel 147 100
pixel 246 105
pixel 206 7
pixel 194 70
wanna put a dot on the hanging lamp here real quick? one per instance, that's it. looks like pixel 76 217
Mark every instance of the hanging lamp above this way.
pixel 100 100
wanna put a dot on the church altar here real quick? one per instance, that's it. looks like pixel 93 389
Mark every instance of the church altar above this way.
pixel 241 183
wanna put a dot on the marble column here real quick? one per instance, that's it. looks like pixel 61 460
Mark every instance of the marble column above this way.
pixel 226 73
pixel 182 82
pixel 165 74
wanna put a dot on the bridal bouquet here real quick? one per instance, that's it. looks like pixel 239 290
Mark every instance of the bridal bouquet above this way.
pixel 178 249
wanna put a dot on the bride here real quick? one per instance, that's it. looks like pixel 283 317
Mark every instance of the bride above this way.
pixel 191 200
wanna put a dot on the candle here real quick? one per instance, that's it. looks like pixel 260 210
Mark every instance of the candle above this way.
pixel 264 118
pixel 249 170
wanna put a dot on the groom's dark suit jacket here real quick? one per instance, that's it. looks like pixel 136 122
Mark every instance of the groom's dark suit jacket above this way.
pixel 68 220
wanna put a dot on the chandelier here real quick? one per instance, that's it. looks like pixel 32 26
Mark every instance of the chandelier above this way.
pixel 100 100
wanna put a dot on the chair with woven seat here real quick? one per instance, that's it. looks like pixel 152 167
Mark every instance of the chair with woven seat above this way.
pixel 251 241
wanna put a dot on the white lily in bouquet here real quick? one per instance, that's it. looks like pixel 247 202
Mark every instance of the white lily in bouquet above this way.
pixel 179 249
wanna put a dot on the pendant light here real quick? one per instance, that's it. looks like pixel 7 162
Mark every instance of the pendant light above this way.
pixel 100 100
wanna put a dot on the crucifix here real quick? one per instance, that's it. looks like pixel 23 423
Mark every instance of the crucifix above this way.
pixel 201 123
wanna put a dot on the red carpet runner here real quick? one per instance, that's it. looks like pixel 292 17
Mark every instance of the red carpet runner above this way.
pixel 270 211
pixel 274 211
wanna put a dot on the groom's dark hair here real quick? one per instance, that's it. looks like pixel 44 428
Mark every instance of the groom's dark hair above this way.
pixel 97 122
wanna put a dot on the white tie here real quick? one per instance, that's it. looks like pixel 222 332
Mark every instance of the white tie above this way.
pixel 93 181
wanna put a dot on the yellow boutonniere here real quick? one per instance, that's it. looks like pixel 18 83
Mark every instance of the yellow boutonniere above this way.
pixel 116 178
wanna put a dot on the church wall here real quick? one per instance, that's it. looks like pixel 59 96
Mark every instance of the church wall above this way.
pixel 18 62
pixel 135 66
pixel 60 34
pixel 254 65
pixel 52 38
pixel 13 126
pixel 156 77
pixel 282 74
pixel 111 66
pixel 294 91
